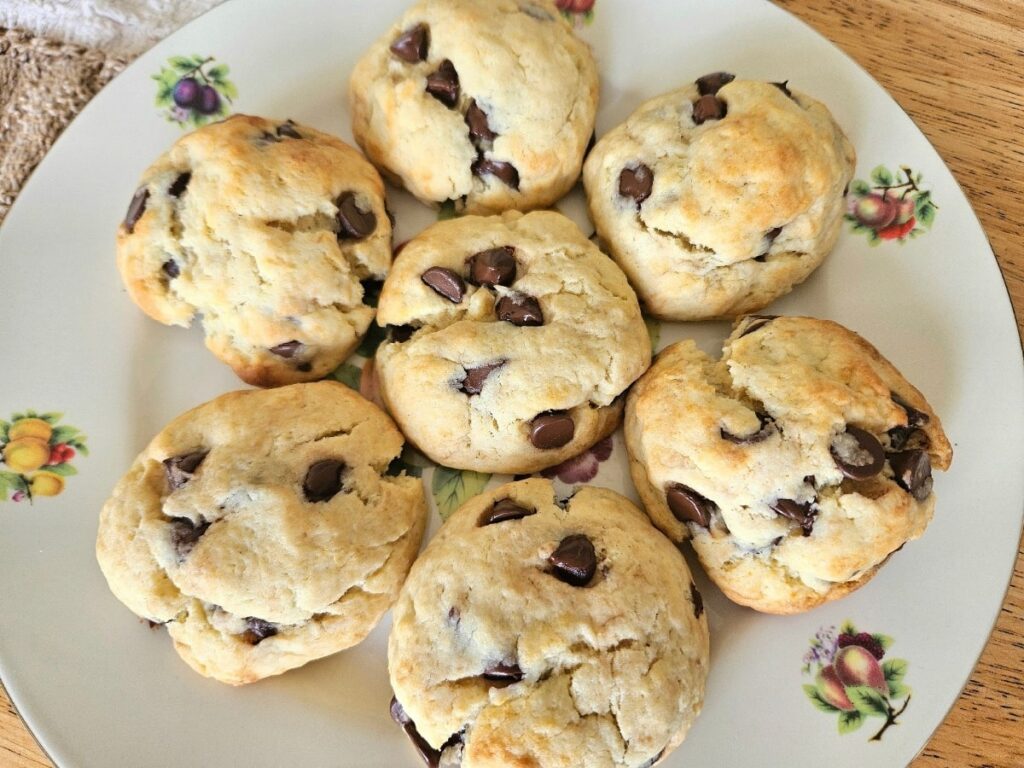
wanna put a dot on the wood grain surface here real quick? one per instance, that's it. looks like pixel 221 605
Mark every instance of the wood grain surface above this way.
pixel 957 67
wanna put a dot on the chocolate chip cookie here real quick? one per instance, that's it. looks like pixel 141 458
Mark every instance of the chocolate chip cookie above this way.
pixel 263 529
pixel 719 197
pixel 487 103
pixel 268 231
pixel 534 632
pixel 798 463
pixel 510 341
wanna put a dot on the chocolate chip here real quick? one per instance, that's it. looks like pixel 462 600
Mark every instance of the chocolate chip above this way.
pixel 708 108
pixel 574 561
pixel 411 46
pixel 505 172
pixel 476 119
pixel 503 511
pixel 915 418
pixel 304 367
pixel 445 282
pixel 913 472
pixel 180 469
pixel 135 209
pixel 185 534
pixel 287 128
pixel 697 600
pixel 473 383
pixel 170 268
pixel 784 87
pixel 257 630
pixel 688 506
pixel 765 431
pixel 270 138
pixel 708 85
pixel 800 512
pixel 519 310
pixel 431 756
pixel 353 222
pixel 287 349
pixel 443 84
pixel 503 672
pixel 901 438
pixel 857 453
pixel 178 187
pixel 323 480
pixel 400 333
pixel 636 183
pixel 552 430
pixel 495 266
pixel 755 322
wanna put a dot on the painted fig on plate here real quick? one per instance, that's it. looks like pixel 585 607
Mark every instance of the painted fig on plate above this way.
pixel 856 665
pixel 832 689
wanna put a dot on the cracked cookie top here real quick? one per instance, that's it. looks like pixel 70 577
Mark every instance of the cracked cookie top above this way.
pixel 487 103
pixel 798 463
pixel 267 230
pixel 263 528
pixel 719 197
pixel 510 339
pixel 546 633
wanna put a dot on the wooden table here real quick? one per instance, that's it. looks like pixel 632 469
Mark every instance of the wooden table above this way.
pixel 957 66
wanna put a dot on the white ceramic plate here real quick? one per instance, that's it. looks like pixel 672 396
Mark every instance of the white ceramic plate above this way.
pixel 99 688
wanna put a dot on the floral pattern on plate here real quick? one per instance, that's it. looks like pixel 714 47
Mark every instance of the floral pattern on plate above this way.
pixel 853 679
pixel 891 206
pixel 36 452
pixel 193 91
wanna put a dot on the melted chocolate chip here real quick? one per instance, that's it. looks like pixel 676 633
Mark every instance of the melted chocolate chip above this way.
pixel 412 45
pixel 185 534
pixel 353 222
pixel 574 561
pixel 287 349
pixel 552 430
pixel 180 469
pixel 763 432
pixel 495 266
pixel 400 333
pixel 269 138
pixel 708 85
pixel 915 418
pixel 688 506
pixel 697 600
pixel 503 672
pixel 135 209
pixel 171 268
pixel 755 322
pixel 802 513
pixel 287 128
pixel 636 183
pixel 445 282
pixel 431 756
pixel 473 383
pixel 479 129
pixel 784 87
pixel 503 511
pixel 708 108
pixel 901 438
pixel 323 480
pixel 501 170
pixel 913 472
pixel 257 630
pixel 519 310
pixel 180 184
pixel 443 84
pixel 857 453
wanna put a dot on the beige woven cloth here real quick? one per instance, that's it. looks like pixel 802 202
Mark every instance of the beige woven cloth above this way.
pixel 43 85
